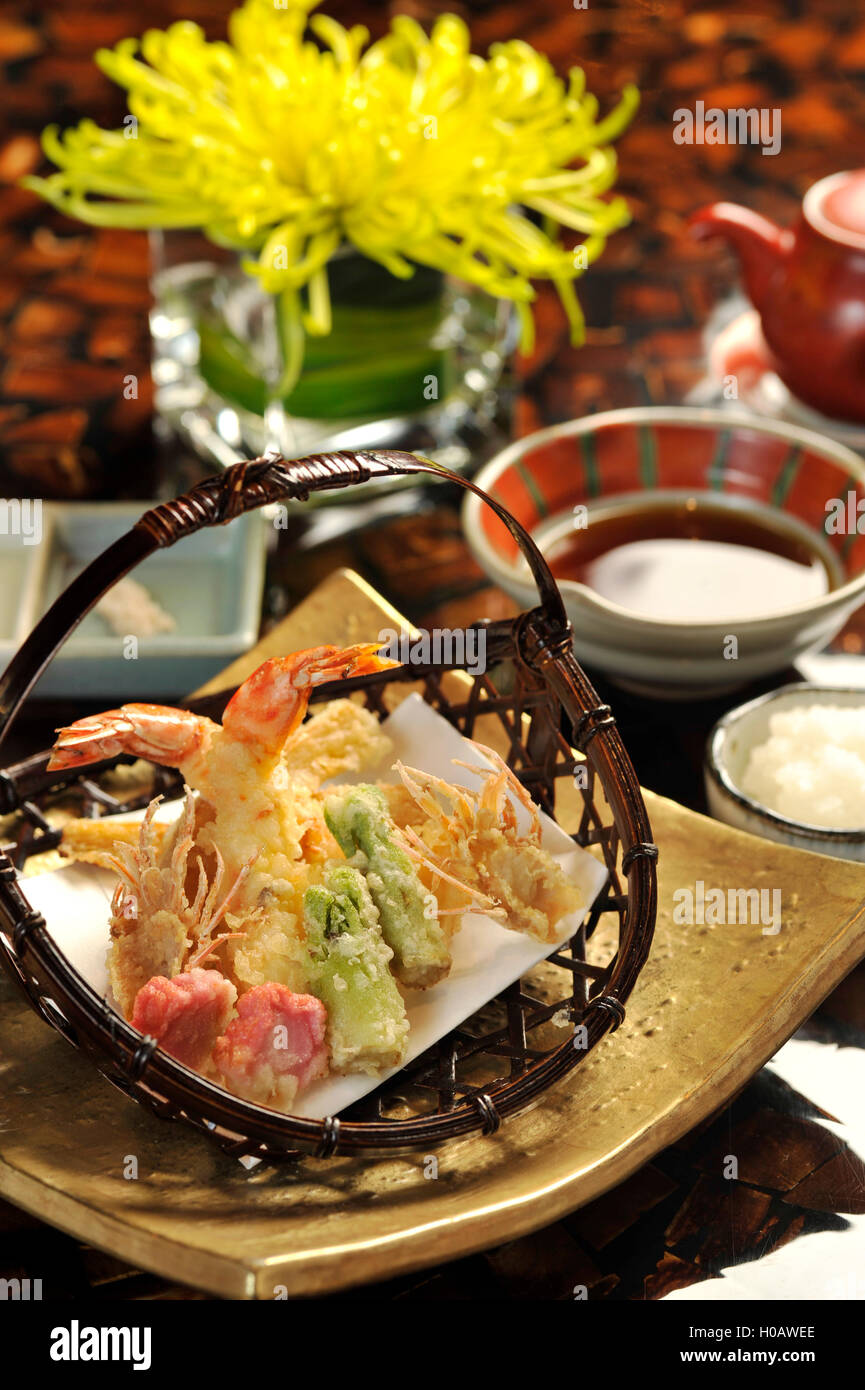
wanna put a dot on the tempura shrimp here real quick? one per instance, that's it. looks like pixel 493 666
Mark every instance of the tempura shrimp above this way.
pixel 262 826
pixel 473 838
pixel 167 904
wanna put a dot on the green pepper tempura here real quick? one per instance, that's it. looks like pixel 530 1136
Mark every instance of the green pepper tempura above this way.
pixel 367 1026
pixel 359 820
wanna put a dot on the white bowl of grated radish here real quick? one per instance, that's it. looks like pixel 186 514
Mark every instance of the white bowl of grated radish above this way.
pixel 790 766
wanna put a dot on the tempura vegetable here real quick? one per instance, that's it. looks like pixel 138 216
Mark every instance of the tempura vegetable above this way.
pixel 95 841
pixel 367 1026
pixel 358 819
pixel 340 737
pixel 274 1047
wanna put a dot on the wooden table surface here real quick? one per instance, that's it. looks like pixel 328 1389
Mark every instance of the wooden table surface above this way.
pixel 73 307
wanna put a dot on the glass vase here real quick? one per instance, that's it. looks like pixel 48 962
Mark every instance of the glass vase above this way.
pixel 414 364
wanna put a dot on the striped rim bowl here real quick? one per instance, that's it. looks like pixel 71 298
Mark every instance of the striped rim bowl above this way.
pixel 742 460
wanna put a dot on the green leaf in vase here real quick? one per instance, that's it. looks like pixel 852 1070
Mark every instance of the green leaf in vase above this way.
pixel 358 332
pixel 343 376
pixel 379 385
pixel 224 366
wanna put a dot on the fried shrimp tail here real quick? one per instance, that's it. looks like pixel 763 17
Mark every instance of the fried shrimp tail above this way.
pixel 164 735
pixel 265 710
pixel 271 704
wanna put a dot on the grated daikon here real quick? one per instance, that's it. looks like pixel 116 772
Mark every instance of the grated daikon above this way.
pixel 812 766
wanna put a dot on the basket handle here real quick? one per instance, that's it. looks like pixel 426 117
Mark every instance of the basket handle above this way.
pixel 217 500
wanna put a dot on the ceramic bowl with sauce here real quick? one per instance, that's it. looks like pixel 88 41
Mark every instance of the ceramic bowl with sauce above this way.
pixel 696 549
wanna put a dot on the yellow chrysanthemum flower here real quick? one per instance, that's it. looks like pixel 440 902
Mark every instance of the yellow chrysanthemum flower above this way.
pixel 413 149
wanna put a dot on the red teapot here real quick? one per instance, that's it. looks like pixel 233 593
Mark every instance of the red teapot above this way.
pixel 808 286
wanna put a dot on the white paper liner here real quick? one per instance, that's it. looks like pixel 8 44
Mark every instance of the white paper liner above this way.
pixel 487 957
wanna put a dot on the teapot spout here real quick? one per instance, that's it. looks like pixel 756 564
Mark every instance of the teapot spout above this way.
pixel 760 245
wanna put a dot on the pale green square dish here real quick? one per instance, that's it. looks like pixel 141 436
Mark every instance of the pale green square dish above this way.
pixel 210 584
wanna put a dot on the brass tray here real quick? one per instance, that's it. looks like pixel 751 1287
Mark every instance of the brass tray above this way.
pixel 711 1006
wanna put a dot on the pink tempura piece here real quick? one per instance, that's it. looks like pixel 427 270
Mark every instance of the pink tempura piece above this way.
pixel 274 1047
pixel 186 1014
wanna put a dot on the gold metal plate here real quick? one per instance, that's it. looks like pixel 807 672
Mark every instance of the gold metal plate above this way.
pixel 713 1003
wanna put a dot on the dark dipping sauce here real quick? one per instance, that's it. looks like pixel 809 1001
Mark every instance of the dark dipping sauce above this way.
pixel 690 559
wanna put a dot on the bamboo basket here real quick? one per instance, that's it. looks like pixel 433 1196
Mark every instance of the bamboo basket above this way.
pixel 495 1064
